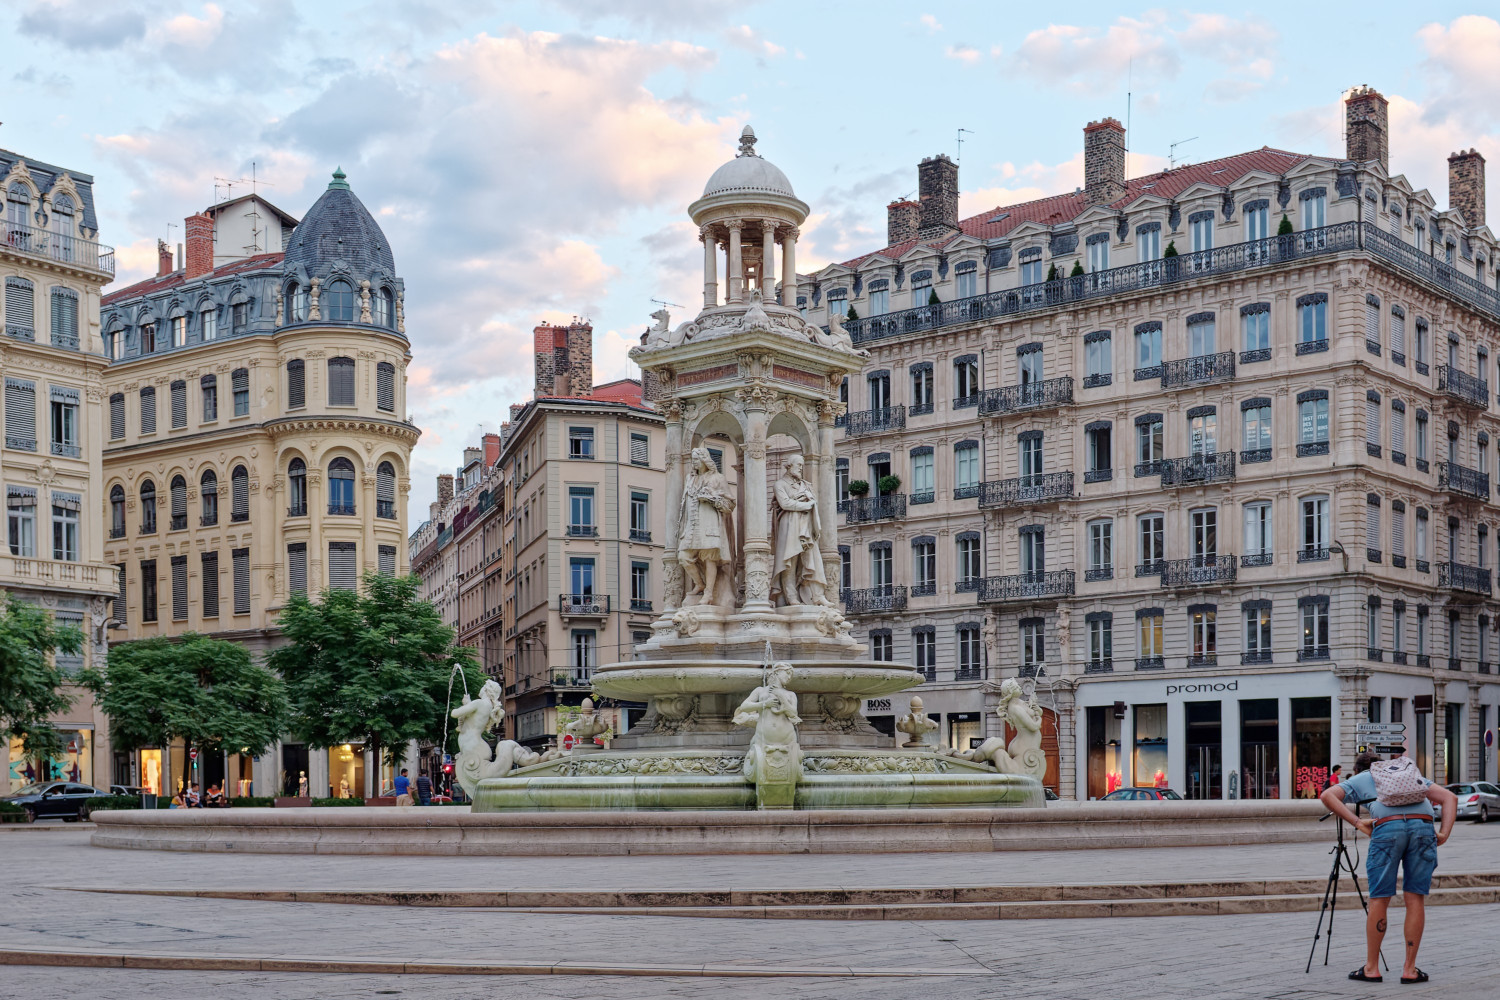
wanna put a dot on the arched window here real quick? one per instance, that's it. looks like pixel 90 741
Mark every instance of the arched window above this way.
pixel 117 511
pixel 296 303
pixel 385 490
pixel 63 225
pixel 148 508
pixel 114 344
pixel 341 486
pixel 383 305
pixel 338 301
pixel 208 493
pixel 296 475
pixel 179 503
pixel 385 386
pixel 340 381
pixel 239 494
pixel 18 211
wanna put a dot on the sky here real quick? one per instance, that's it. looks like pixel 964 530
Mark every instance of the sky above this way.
pixel 533 161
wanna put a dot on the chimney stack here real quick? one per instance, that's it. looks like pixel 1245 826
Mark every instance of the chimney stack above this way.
pixel 199 231
pixel 937 187
pixel 564 359
pixel 1103 161
pixel 1366 132
pixel 163 259
pixel 445 490
pixel 491 443
pixel 1466 186
pixel 902 220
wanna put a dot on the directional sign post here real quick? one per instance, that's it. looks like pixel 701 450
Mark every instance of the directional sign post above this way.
pixel 1381 737
pixel 1381 728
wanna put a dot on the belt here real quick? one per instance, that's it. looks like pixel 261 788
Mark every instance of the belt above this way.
pixel 1388 819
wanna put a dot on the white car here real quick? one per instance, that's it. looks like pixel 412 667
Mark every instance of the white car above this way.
pixel 1477 800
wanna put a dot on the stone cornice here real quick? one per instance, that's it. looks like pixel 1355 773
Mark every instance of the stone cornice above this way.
pixel 314 424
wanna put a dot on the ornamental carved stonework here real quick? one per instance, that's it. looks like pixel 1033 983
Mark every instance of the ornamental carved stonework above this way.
pixel 603 766
pixel 885 764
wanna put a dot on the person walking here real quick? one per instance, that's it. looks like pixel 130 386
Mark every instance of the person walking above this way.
pixel 403 789
pixel 1401 836
pixel 424 789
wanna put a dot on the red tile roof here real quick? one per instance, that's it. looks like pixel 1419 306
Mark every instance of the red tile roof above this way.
pixel 1054 209
pixel 178 277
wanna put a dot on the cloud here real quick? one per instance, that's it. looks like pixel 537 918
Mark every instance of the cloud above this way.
pixel 243 44
pixel 55 84
pixel 658 15
pixel 747 38
pixel 966 54
pixel 1463 60
pixel 83 25
pixel 930 23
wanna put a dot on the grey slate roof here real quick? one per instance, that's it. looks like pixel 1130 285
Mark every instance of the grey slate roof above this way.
pixel 338 227
pixel 46 174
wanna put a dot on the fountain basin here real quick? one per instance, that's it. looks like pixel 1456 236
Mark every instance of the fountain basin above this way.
pixel 641 679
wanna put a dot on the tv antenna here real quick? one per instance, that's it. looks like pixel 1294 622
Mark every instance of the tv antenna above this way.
pixel 229 184
pixel 1172 152
pixel 664 302
pixel 960 137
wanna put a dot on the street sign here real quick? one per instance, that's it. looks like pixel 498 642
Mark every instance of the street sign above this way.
pixel 1380 728
pixel 568 740
pixel 193 755
pixel 1489 737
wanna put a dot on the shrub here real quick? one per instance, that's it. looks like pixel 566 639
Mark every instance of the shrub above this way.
pixel 852 314
pixel 1171 250
pixel 858 487
pixel 1285 229
pixel 252 801
pixel 1052 274
pixel 932 298
pixel 1077 269
pixel 889 484
pixel 11 813
pixel 338 802
pixel 98 802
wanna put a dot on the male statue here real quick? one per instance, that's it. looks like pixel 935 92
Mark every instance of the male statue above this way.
pixel 704 548
pixel 798 570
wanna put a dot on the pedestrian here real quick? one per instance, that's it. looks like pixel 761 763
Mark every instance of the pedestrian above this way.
pixel 1401 836
pixel 424 789
pixel 1336 774
pixel 403 789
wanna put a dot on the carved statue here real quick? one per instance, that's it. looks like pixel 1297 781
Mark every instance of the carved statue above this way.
pixel 587 725
pixel 1024 755
pixel 837 337
pixel 705 549
pixel 476 761
pixel 774 761
pixel 916 724
pixel 797 574
pixel 660 333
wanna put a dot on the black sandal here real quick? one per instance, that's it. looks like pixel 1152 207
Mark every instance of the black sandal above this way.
pixel 1358 975
pixel 1420 977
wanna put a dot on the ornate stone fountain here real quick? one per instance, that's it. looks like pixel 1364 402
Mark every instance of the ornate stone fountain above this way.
pixel 753 683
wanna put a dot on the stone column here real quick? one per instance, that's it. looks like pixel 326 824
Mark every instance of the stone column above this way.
pixel 315 554
pixel 789 267
pixel 767 259
pixel 828 498
pixel 671 573
pixel 757 514
pixel 736 262
pixel 367 558
pixel 710 267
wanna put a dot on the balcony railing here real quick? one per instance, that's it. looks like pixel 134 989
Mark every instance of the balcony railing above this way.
pixel 582 530
pixel 640 535
pixel 385 509
pixel 1099 666
pixel 1047 488
pixel 1469 579
pixel 1463 388
pixel 884 418
pixel 1206 369
pixel 297 510
pixel 36 242
pixel 927 589
pixel 1195 469
pixel 65 450
pixel 117 531
pixel 874 600
pixel 1463 481
pixel 208 520
pixel 881 508
pixel 583 605
pixel 179 522
pixel 1043 395
pixel 346 509
pixel 636 604
pixel 1026 587
pixel 1199 571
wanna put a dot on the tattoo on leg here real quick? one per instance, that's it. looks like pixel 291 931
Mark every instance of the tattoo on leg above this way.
pixel 1411 944
pixel 1380 925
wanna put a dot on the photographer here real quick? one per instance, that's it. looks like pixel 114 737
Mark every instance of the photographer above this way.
pixel 1400 828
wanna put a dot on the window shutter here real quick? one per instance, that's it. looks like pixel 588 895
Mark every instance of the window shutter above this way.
pixel 239 494
pixel 120 595
pixel 179 588
pixel 179 404
pixel 20 414
pixel 343 573
pixel 1372 525
pixel 296 567
pixel 296 384
pixel 640 449
pixel 340 381
pixel 1372 324
pixel 387 560
pixel 1398 532
pixel 148 410
pixel 239 384
pixel 179 498
pixel 1398 430
pixel 64 318
pixel 1372 422
pixel 1398 333
pixel 116 416
pixel 210 585
pixel 385 484
pixel 385 386
pixel 241 559
pixel 20 313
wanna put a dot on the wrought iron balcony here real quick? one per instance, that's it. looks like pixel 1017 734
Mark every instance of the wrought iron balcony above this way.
pixel 1199 571
pixel 969 674
pixel 1463 388
pixel 884 418
pixel 244 515
pixel 35 242
pixel 297 510
pixel 882 508
pixel 583 530
pixel 66 450
pixel 1255 656
pixel 1026 587
pixel 874 600
pixel 1150 663
pixel 385 509
pixel 117 531
pixel 208 520
pixel 583 605
pixel 345 509
pixel 927 589
pixel 1197 469
pixel 1044 395
pixel 1316 554
pixel 1462 481
pixel 179 522
pixel 1207 369
pixel 639 535
pixel 1027 490
pixel 1099 666
pixel 1096 575
pixel 636 604
pixel 1466 579
pixel 1256 559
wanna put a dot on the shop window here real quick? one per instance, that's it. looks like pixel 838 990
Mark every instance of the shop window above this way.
pixel 1104 774
pixel 1312 746
pixel 1205 749
pixel 1260 755
pixel 1149 768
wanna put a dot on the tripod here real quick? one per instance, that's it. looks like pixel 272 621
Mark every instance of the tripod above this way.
pixel 1342 862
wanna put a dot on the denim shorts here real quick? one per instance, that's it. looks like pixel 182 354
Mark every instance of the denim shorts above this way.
pixel 1409 843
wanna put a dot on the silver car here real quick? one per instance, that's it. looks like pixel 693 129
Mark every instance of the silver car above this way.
pixel 1477 800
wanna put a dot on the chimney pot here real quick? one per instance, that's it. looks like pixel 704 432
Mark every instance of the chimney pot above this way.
pixel 163 259
pixel 1466 186
pixel 1366 127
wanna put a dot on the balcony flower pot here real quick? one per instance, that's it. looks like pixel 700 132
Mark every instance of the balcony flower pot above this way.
pixel 858 487
pixel 886 484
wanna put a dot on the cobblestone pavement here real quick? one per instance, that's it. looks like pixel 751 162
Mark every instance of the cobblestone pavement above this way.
pixel 1212 958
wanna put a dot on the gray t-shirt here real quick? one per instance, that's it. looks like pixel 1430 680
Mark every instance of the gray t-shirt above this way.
pixel 1362 786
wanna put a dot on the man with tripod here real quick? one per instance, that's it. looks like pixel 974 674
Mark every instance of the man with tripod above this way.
pixel 1401 835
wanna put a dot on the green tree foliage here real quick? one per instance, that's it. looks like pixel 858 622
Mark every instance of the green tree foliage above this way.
pixel 1052 274
pixel 853 313
pixel 30 683
pixel 1171 250
pixel 370 667
pixel 1285 229
pixel 932 298
pixel 1077 269
pixel 207 692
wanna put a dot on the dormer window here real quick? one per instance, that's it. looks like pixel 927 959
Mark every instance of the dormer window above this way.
pixel 296 299
pixel 339 300
pixel 383 306
pixel 966 279
pixel 838 302
pixel 1031 265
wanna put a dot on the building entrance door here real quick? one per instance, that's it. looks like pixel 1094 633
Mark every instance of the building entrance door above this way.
pixel 1260 749
pixel 1205 750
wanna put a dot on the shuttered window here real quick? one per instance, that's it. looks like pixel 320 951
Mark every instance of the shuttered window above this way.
pixel 179 503
pixel 208 495
pixel 296 567
pixel 239 494
pixel 20 414
pixel 640 449
pixel 210 585
pixel 179 404
pixel 210 387
pixel 1398 530
pixel 1372 524
pixel 296 384
pixel 343 571
pixel 20 309
pixel 120 595
pixel 340 381
pixel 1372 421
pixel 1372 321
pixel 65 318
pixel 385 386
pixel 1398 333
pixel 387 560
pixel 148 590
pixel 239 383
pixel 241 560
pixel 116 416
pixel 385 490
pixel 1398 427
pixel 148 410
pixel 179 588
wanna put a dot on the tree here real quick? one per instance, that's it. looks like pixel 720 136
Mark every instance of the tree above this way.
pixel 370 667
pixel 1077 269
pixel 1285 229
pixel 1052 274
pixel 207 692
pixel 30 683
pixel 1171 250
pixel 932 298
pixel 853 313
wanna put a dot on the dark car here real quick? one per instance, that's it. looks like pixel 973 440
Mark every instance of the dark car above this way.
pixel 53 799
pixel 127 790
pixel 1141 795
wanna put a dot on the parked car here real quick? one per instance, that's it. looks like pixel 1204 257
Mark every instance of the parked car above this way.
pixel 1476 800
pixel 127 790
pixel 53 799
pixel 1141 795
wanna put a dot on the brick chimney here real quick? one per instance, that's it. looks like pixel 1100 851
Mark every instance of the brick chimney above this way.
pixel 163 259
pixel 902 220
pixel 491 445
pixel 445 490
pixel 1366 132
pixel 1466 186
pixel 1103 161
pixel 564 359
pixel 937 187
pixel 199 230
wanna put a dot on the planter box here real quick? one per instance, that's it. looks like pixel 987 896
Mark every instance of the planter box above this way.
pixel 293 801
pixel 381 800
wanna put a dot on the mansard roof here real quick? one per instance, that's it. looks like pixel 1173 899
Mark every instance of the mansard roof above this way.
pixel 339 234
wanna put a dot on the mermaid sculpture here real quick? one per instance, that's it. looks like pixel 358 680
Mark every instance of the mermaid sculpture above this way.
pixel 774 761
pixel 1024 754
pixel 476 761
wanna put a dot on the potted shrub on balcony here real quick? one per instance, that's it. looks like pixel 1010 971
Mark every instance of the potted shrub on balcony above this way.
pixel 858 487
pixel 1169 260
pixel 886 484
